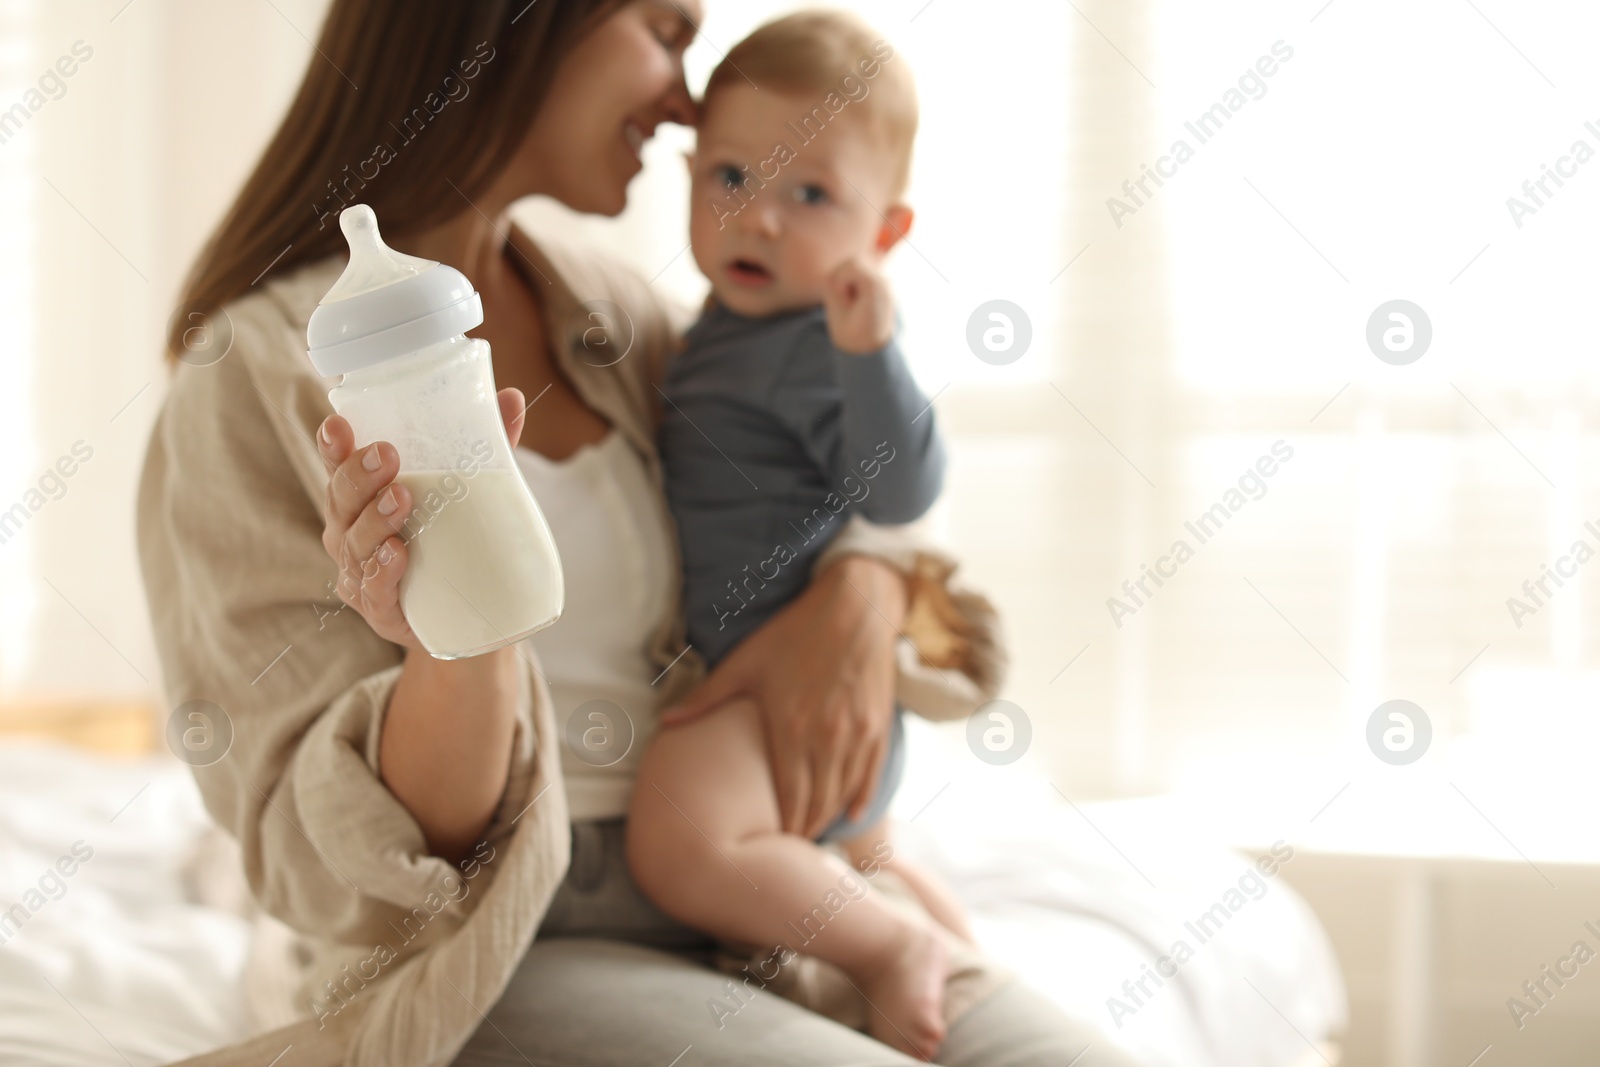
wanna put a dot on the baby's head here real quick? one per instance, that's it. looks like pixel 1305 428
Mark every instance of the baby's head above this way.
pixel 802 160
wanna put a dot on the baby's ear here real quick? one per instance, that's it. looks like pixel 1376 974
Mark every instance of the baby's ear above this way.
pixel 897 225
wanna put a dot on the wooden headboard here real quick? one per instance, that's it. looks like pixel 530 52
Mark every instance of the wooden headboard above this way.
pixel 118 727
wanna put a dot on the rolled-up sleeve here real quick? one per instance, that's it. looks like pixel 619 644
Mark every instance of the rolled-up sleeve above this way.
pixel 246 619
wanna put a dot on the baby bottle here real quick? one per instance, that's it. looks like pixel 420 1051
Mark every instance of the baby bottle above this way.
pixel 483 570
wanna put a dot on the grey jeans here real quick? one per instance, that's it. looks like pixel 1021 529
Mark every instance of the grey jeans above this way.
pixel 612 982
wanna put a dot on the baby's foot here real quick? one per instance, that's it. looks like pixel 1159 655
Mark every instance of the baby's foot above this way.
pixel 907 993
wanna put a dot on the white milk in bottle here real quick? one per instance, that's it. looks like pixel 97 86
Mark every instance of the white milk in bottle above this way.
pixel 483 570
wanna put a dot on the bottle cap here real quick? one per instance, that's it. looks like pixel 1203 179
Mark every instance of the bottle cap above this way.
pixel 386 304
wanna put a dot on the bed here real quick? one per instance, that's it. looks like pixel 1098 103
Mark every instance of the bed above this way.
pixel 125 937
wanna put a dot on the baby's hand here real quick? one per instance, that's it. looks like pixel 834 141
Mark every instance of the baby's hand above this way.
pixel 859 306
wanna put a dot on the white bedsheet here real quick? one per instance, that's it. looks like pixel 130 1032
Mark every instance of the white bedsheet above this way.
pixel 1080 899
pixel 121 968
pixel 125 968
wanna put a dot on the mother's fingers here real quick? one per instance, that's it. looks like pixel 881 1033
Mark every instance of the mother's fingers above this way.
pixel 513 412
pixel 378 522
pixel 860 779
pixel 791 780
pixel 355 482
pixel 336 442
pixel 379 587
pixel 828 756
pixel 335 439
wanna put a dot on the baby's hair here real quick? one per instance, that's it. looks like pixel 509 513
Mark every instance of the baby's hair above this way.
pixel 843 62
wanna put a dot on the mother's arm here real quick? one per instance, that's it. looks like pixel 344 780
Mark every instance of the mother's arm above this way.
pixel 245 617
pixel 445 750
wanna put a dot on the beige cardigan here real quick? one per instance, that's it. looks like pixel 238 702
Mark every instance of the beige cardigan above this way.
pixel 230 516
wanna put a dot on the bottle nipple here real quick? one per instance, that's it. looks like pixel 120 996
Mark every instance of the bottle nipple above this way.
pixel 386 304
pixel 373 264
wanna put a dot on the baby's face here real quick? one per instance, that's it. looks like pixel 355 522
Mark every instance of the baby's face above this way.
pixel 767 237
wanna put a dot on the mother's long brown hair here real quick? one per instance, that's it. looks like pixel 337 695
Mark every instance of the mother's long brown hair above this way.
pixel 412 107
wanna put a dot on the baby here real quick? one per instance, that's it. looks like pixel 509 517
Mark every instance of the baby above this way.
pixel 790 404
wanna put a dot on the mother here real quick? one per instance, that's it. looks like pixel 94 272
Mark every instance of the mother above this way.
pixel 410 816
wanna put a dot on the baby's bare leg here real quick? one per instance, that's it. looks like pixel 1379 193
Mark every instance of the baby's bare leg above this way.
pixel 705 844
pixel 869 847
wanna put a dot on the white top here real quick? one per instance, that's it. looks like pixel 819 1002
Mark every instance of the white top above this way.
pixel 615 549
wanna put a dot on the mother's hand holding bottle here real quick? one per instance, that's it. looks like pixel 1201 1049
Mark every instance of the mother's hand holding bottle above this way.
pixel 457 577
pixel 366 511
pixel 446 745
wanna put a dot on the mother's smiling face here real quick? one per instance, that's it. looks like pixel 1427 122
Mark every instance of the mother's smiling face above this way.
pixel 610 91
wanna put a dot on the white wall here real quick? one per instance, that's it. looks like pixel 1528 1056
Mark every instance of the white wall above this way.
pixel 1166 358
pixel 121 179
